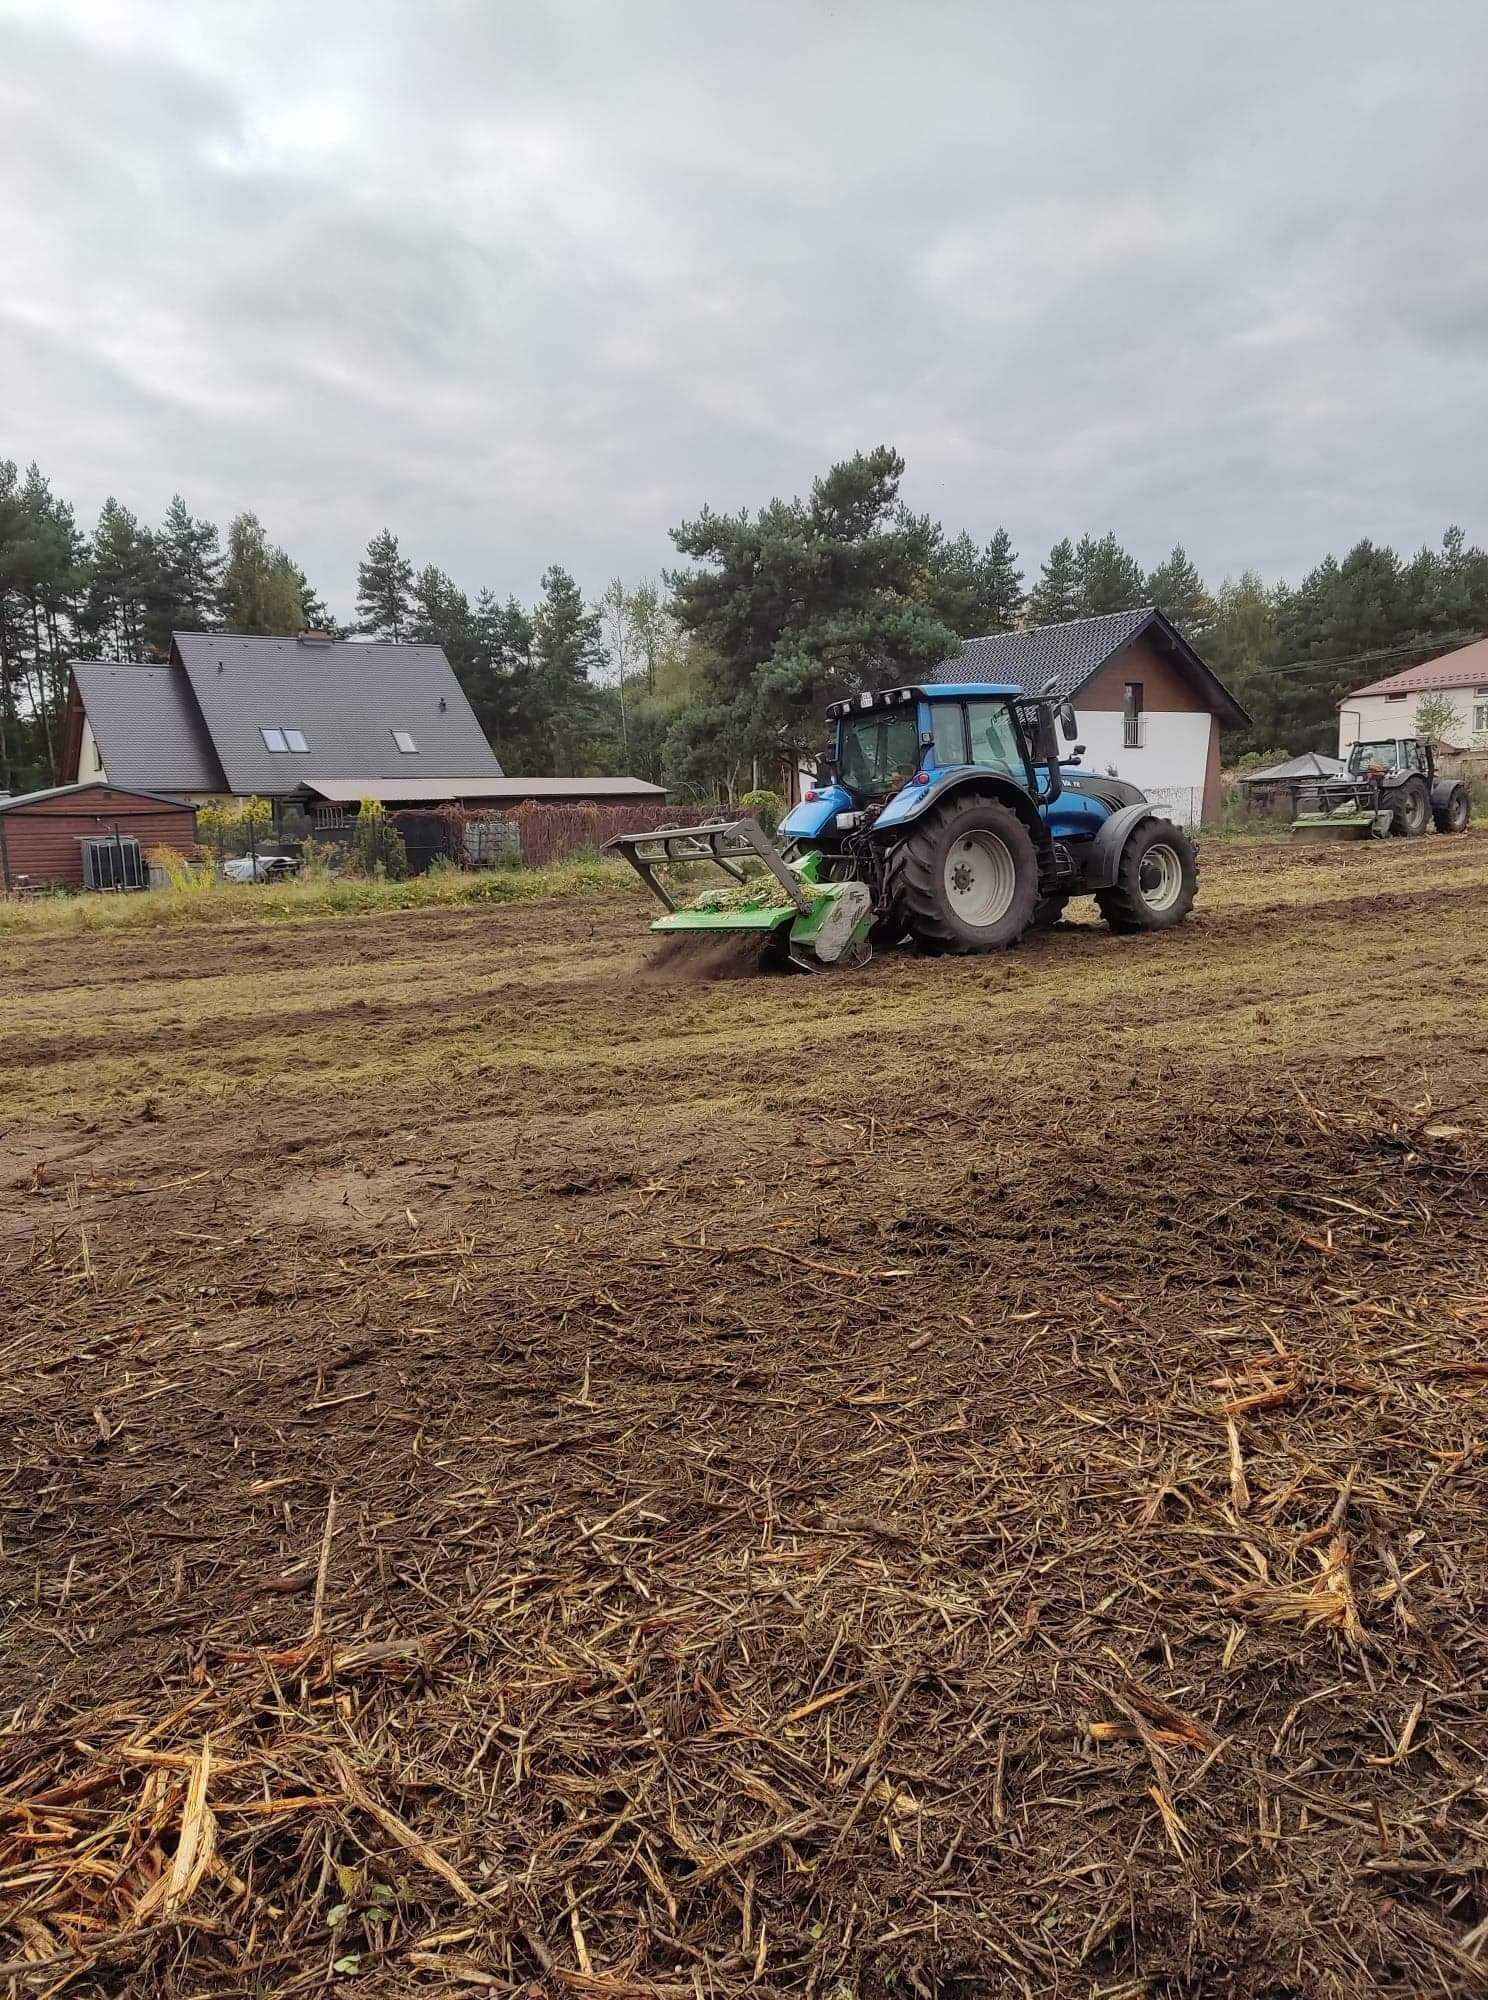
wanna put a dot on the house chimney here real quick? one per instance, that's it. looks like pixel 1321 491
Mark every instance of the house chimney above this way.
pixel 315 639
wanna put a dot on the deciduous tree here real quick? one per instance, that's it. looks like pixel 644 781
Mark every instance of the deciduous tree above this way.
pixel 260 585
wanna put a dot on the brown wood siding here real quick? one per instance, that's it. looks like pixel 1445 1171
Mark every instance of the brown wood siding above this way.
pixel 1212 800
pixel 44 841
pixel 1164 686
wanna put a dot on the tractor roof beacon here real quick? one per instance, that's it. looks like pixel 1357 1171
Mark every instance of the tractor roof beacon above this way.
pixel 942 814
pixel 1390 786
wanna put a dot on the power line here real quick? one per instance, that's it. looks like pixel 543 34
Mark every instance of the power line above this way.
pixel 1358 659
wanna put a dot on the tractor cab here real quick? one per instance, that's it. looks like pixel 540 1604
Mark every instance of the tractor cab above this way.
pixel 1390 757
pixel 898 736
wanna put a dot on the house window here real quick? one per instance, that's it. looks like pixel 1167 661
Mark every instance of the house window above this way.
pixel 1394 697
pixel 1480 711
pixel 273 739
pixel 296 742
pixel 1131 721
pixel 285 739
pixel 405 742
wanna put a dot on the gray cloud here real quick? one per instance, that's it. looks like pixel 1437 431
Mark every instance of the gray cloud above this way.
pixel 533 282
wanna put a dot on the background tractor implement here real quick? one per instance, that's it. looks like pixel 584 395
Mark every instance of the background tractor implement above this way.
pixel 1387 787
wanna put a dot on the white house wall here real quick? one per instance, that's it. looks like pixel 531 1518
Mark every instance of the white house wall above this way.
pixel 90 764
pixel 1366 718
pixel 1169 764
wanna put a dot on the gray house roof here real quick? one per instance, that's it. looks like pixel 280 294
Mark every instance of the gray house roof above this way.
pixel 147 729
pixel 1069 654
pixel 345 700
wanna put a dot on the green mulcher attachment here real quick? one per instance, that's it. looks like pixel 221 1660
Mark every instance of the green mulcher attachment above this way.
pixel 1341 811
pixel 794 916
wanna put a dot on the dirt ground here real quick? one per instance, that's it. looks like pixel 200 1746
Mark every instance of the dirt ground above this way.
pixel 526 1474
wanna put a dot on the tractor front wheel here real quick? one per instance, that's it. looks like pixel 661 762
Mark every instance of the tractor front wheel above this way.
pixel 970 878
pixel 1454 815
pixel 1157 881
pixel 1410 809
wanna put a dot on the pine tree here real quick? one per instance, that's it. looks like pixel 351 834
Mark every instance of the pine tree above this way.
pixel 190 576
pixel 566 650
pixel 1003 582
pixel 501 684
pixel 797 605
pixel 974 590
pixel 12 529
pixel 123 573
pixel 441 617
pixel 260 585
pixel 385 590
pixel 1054 598
pixel 1177 589
pixel 315 613
pixel 1108 578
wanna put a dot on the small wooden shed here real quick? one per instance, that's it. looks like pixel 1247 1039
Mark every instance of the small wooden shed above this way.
pixel 89 836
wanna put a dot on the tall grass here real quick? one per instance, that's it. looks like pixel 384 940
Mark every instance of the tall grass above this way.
pixel 202 897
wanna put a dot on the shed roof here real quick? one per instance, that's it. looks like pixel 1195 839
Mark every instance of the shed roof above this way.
pixel 1467 667
pixel 346 699
pixel 147 727
pixel 1311 764
pixel 1071 653
pixel 436 791
pixel 20 800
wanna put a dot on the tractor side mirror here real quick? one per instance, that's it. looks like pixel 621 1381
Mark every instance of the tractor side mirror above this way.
pixel 1069 728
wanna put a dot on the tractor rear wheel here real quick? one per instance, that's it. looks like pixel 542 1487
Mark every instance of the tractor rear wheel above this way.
pixel 1410 809
pixel 970 878
pixel 1156 882
pixel 1454 815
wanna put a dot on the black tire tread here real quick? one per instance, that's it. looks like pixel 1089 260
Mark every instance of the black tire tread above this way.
pixel 1121 905
pixel 1442 815
pixel 1412 788
pixel 918 871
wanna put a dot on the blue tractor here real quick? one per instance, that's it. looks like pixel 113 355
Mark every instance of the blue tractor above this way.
pixel 942 814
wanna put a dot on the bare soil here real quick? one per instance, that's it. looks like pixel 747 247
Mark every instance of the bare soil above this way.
pixel 523 1472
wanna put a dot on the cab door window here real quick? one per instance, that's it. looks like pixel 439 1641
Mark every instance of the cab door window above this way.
pixel 993 737
pixel 948 720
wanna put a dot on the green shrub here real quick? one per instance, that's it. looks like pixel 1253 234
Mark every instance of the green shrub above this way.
pixel 767 807
pixel 378 846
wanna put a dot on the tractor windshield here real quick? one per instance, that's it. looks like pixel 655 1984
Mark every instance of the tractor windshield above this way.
pixel 880 752
pixel 1364 754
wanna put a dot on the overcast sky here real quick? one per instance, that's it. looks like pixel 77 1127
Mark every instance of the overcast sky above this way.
pixel 533 282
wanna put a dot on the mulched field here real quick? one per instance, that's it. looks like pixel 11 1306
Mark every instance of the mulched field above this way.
pixel 523 1473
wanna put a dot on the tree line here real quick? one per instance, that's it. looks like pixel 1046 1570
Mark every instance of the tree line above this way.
pixel 713 676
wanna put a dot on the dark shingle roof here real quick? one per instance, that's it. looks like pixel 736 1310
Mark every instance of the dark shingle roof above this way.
pixel 1069 654
pixel 346 700
pixel 147 728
